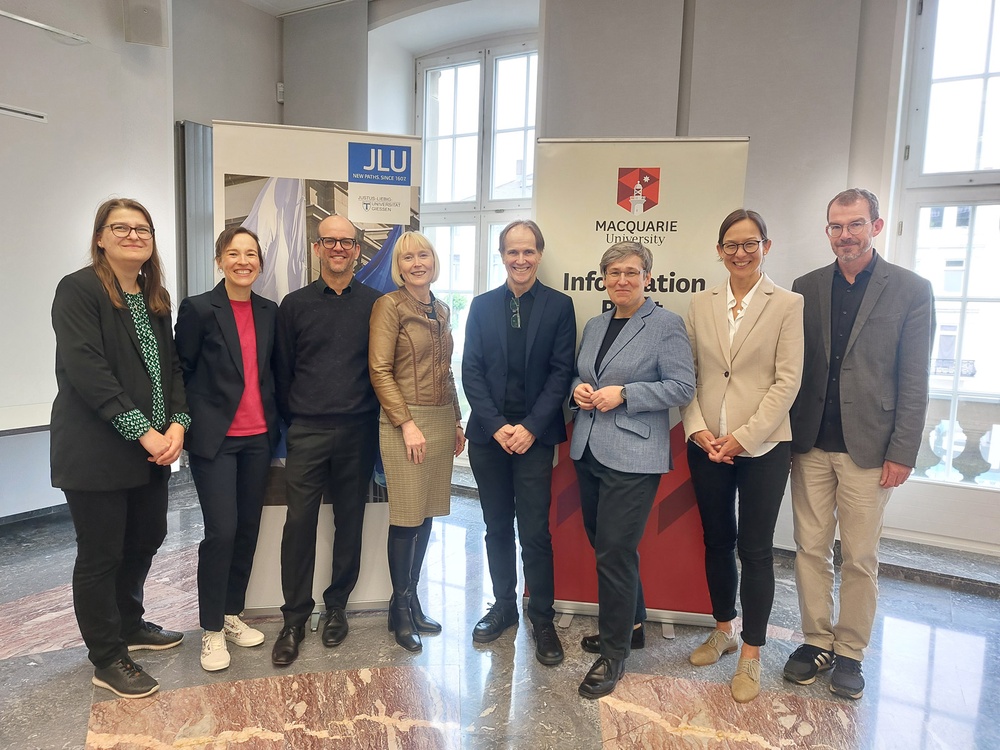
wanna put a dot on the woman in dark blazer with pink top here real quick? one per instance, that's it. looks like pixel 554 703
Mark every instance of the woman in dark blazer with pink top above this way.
pixel 224 341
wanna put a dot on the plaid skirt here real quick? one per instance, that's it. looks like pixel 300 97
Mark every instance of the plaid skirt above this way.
pixel 419 491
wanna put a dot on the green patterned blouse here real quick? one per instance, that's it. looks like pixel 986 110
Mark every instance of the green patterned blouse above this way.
pixel 134 424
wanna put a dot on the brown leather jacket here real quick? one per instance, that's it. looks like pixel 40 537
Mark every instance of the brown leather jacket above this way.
pixel 409 356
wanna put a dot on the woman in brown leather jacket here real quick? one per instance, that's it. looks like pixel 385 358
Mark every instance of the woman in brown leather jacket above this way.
pixel 420 429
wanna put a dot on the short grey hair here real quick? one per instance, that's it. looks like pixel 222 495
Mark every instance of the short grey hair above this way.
pixel 621 250
pixel 851 196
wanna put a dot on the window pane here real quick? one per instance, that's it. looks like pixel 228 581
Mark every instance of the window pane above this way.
pixel 985 263
pixel 468 99
pixel 437 165
pixel 995 46
pixel 466 163
pixel 496 274
pixel 941 249
pixel 961 38
pixel 990 155
pixel 456 248
pixel 953 126
pixel 511 89
pixel 508 165
pixel 978 351
pixel 439 112
pixel 532 87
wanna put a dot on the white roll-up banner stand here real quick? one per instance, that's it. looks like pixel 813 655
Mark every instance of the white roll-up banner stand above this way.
pixel 671 195
pixel 281 182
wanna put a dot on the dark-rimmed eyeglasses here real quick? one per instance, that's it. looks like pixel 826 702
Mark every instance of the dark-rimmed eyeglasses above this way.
pixel 749 247
pixel 124 230
pixel 515 307
pixel 348 243
pixel 854 228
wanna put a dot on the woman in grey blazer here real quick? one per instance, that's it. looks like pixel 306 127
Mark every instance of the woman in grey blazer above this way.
pixel 118 422
pixel 634 365
pixel 224 340
pixel 747 340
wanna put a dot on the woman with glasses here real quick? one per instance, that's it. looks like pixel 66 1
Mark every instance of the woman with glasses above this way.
pixel 118 422
pixel 748 345
pixel 224 341
pixel 420 428
pixel 634 365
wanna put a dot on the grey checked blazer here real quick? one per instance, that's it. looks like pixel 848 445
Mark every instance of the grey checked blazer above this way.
pixel 652 358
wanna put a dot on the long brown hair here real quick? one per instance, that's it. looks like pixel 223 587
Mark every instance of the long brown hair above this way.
pixel 157 297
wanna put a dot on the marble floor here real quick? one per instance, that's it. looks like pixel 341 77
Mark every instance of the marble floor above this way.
pixel 931 681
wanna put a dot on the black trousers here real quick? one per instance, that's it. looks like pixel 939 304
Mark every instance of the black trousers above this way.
pixel 615 507
pixel 117 534
pixel 760 484
pixel 517 486
pixel 231 489
pixel 339 462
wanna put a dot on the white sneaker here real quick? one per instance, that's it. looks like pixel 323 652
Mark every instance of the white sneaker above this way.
pixel 214 654
pixel 240 633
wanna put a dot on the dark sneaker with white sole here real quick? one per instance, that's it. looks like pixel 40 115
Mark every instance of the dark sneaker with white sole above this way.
pixel 806 662
pixel 126 679
pixel 847 679
pixel 151 637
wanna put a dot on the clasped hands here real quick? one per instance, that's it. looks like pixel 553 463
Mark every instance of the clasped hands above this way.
pixel 514 438
pixel 720 450
pixel 163 447
pixel 603 399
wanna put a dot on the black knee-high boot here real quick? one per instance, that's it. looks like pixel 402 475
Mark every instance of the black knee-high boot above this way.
pixel 401 547
pixel 423 623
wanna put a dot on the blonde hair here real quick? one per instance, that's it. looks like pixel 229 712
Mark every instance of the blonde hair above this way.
pixel 407 242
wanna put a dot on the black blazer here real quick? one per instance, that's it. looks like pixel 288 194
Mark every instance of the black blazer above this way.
pixel 101 374
pixel 212 363
pixel 551 347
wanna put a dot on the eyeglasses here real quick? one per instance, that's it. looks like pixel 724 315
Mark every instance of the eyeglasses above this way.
pixel 515 307
pixel 348 243
pixel 124 230
pixel 630 275
pixel 749 247
pixel 855 228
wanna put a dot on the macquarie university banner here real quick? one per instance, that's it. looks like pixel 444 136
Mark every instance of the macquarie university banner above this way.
pixel 671 195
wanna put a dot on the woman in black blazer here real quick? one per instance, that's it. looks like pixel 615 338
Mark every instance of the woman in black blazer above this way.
pixel 118 422
pixel 224 340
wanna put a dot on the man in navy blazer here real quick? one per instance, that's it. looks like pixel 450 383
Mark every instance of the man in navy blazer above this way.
pixel 518 362
pixel 857 425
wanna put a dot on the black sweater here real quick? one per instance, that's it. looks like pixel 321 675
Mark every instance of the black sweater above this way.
pixel 321 356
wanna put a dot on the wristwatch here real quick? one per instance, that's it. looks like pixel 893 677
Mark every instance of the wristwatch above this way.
pixel 624 397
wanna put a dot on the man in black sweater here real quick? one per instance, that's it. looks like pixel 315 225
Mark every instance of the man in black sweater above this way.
pixel 325 396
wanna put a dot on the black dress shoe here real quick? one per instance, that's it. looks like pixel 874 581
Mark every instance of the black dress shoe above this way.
pixel 592 643
pixel 334 627
pixel 286 648
pixel 548 649
pixel 494 622
pixel 602 677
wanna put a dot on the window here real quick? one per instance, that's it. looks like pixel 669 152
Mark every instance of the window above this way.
pixel 951 230
pixel 476 111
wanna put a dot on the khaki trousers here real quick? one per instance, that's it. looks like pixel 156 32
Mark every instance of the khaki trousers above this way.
pixel 828 488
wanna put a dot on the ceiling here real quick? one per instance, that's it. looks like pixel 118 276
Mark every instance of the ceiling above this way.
pixel 438 27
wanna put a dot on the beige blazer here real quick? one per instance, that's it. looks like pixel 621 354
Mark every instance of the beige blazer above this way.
pixel 759 374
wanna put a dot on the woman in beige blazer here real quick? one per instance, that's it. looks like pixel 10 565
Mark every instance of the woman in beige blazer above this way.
pixel 420 425
pixel 746 336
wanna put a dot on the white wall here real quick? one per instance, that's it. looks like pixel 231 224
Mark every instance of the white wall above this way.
pixel 391 69
pixel 609 69
pixel 227 62
pixel 325 54
pixel 110 133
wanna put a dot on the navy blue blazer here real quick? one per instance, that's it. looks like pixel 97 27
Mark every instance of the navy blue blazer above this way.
pixel 211 358
pixel 548 364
